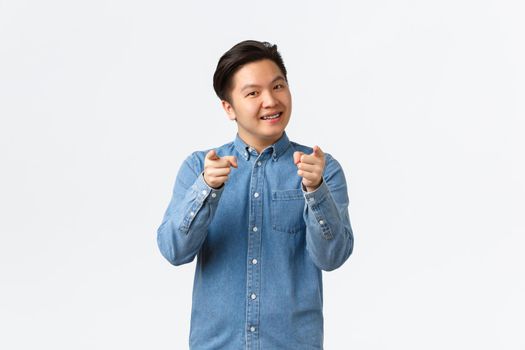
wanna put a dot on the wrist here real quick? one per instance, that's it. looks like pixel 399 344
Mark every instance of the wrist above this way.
pixel 210 184
pixel 312 188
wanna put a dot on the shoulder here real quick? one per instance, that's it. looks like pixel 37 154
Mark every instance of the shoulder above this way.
pixel 297 147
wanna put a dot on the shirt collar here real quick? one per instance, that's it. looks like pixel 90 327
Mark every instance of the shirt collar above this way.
pixel 277 149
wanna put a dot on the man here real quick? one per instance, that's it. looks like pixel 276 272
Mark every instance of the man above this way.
pixel 264 216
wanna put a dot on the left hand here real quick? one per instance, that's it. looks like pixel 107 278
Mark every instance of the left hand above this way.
pixel 310 167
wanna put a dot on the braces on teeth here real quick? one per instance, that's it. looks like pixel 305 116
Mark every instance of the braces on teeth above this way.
pixel 272 117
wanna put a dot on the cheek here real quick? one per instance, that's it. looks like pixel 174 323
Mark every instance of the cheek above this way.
pixel 287 100
pixel 251 110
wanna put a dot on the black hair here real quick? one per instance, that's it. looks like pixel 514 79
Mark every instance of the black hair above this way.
pixel 242 53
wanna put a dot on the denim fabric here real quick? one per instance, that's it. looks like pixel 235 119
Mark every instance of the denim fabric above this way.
pixel 261 243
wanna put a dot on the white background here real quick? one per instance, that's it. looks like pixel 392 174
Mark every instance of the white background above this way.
pixel 421 101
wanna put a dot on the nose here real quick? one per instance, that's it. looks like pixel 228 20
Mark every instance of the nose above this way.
pixel 269 100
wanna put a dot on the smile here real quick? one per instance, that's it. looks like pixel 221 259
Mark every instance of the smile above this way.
pixel 270 117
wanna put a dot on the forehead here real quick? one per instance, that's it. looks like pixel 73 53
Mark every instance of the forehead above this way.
pixel 260 73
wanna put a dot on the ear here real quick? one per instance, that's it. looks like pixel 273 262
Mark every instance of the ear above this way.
pixel 228 108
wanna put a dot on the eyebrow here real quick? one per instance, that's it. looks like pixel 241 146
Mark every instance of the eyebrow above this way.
pixel 279 77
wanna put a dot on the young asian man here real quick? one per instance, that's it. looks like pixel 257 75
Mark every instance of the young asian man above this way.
pixel 264 216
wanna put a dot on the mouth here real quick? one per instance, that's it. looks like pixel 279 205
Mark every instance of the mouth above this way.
pixel 272 116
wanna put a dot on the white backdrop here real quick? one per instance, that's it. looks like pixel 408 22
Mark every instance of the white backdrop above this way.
pixel 422 102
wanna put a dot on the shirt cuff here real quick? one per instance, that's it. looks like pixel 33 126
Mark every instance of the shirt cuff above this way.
pixel 316 195
pixel 314 201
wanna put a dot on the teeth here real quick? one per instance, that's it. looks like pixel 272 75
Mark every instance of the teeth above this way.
pixel 271 116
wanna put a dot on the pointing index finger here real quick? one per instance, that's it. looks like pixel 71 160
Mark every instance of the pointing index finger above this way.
pixel 212 155
pixel 318 151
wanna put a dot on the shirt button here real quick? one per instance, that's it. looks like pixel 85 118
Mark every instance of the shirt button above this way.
pixel 321 222
pixel 255 229
pixel 192 214
pixel 259 163
pixel 253 296
pixel 214 195
pixel 204 192
pixel 252 329
pixel 256 194
pixel 254 261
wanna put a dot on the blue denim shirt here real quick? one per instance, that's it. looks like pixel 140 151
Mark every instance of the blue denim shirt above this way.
pixel 261 242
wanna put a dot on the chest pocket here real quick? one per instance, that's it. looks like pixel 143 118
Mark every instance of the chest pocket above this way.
pixel 287 209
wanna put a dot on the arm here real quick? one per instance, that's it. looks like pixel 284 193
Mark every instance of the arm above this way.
pixel 190 211
pixel 329 236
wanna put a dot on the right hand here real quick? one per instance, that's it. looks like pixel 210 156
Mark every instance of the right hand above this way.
pixel 217 169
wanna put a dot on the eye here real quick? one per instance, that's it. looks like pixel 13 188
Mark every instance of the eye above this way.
pixel 279 86
pixel 253 93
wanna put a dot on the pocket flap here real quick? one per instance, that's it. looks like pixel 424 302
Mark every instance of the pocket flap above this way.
pixel 285 195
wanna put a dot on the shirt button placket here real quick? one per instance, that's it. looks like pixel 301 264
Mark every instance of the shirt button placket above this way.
pixel 254 248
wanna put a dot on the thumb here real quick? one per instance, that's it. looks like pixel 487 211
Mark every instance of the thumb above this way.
pixel 212 155
pixel 297 157
pixel 232 160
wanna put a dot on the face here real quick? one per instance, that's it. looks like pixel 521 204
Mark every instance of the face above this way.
pixel 261 103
